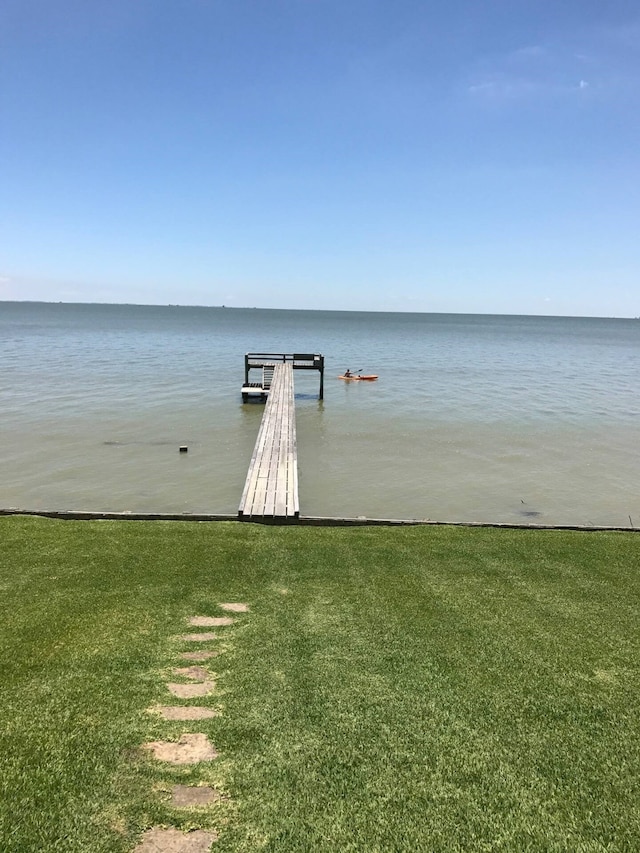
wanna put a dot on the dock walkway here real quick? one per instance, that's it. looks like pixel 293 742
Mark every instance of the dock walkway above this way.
pixel 271 487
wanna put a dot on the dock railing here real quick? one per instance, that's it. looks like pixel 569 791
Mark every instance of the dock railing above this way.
pixel 299 361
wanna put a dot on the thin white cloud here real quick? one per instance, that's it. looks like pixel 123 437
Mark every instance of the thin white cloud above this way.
pixel 528 52
pixel 597 60
pixel 528 71
pixel 502 87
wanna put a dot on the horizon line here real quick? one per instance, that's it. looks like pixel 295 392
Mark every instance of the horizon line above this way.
pixel 316 310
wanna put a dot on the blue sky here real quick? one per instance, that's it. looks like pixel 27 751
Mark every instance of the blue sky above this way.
pixel 447 156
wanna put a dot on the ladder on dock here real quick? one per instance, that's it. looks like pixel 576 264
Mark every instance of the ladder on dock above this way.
pixel 271 488
pixel 265 362
pixel 267 376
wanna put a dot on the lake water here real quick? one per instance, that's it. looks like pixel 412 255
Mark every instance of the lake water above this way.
pixel 473 418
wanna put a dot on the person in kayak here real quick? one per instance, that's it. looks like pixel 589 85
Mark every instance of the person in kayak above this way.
pixel 347 374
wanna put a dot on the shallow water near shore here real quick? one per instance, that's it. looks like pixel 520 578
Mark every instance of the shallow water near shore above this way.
pixel 473 418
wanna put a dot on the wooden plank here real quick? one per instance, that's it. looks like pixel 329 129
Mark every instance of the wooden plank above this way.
pixel 271 486
pixel 292 461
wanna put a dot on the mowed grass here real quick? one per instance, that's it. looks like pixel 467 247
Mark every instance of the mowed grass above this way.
pixel 391 689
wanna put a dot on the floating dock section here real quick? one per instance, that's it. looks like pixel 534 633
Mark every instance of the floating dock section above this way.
pixel 271 488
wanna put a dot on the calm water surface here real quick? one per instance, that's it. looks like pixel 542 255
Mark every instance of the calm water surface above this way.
pixel 474 418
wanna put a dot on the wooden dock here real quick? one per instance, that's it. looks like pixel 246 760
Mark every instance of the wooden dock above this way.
pixel 271 487
pixel 264 362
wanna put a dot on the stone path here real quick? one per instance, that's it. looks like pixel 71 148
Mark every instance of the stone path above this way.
pixel 158 840
pixel 199 638
pixel 186 712
pixel 211 621
pixel 196 673
pixel 199 655
pixel 191 747
pixel 188 749
pixel 184 796
pixel 190 691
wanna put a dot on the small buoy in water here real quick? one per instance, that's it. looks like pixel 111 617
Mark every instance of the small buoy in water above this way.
pixel 183 448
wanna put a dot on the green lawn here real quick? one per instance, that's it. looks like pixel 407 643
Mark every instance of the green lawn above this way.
pixel 391 689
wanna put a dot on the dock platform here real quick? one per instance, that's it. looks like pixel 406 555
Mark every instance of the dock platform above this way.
pixel 265 362
pixel 271 487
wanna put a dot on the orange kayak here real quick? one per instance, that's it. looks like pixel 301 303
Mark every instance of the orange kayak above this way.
pixel 370 378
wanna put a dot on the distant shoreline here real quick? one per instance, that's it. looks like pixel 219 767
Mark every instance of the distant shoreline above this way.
pixel 313 310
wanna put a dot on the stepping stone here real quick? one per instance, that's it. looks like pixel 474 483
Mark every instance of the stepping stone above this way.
pixel 197 673
pixel 183 796
pixel 236 607
pixel 199 638
pixel 210 621
pixel 189 691
pixel 186 712
pixel 189 749
pixel 200 655
pixel 158 840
